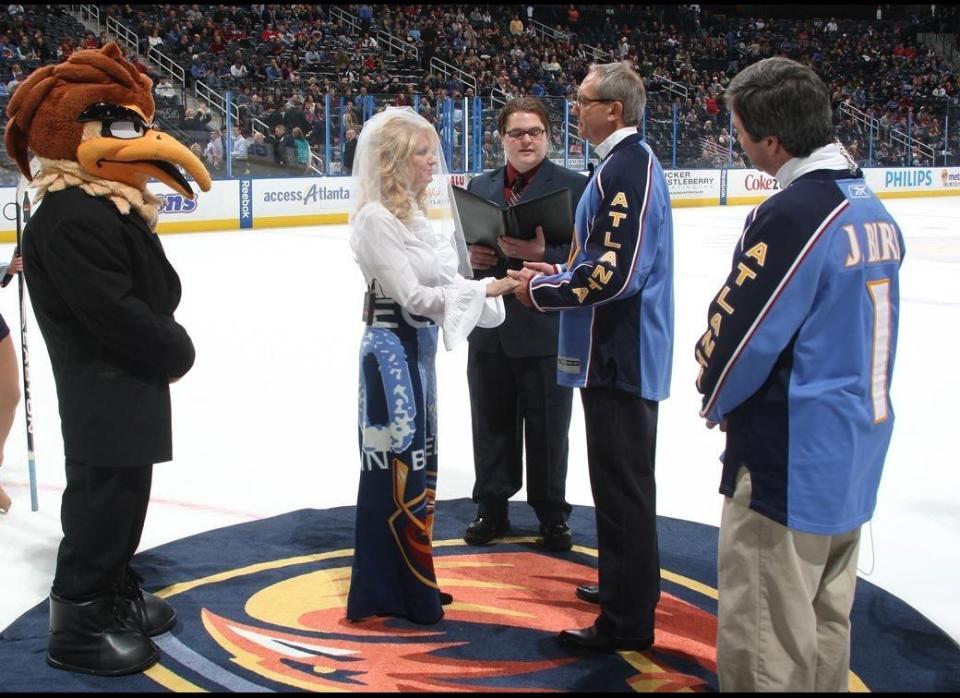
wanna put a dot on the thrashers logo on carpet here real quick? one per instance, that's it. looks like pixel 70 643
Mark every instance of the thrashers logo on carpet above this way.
pixel 261 607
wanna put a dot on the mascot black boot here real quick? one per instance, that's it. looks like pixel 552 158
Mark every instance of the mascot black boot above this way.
pixel 152 614
pixel 97 637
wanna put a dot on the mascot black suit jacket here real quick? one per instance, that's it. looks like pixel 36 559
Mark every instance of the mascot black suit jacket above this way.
pixel 104 295
pixel 101 286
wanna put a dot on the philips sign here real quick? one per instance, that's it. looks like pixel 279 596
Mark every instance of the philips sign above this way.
pixel 895 179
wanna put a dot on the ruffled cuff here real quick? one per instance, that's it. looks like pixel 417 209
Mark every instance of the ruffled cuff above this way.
pixel 466 306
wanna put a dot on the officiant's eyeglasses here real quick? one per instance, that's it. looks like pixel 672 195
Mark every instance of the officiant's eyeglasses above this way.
pixel 518 133
pixel 582 101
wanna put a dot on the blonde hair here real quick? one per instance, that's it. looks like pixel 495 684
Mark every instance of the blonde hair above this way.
pixel 398 142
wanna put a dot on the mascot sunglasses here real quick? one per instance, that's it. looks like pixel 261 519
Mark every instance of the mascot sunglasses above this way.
pixel 117 121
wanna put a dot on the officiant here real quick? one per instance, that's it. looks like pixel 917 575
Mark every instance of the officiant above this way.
pixel 511 369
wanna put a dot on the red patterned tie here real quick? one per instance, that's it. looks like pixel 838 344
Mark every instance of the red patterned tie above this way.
pixel 519 182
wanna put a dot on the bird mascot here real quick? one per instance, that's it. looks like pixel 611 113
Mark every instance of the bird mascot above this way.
pixel 104 294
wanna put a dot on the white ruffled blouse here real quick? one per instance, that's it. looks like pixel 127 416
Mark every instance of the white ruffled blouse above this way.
pixel 416 265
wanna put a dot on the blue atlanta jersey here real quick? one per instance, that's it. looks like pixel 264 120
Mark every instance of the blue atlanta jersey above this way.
pixel 799 349
pixel 616 290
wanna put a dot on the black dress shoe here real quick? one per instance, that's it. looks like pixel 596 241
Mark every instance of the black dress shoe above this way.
pixel 589 592
pixel 484 529
pixel 556 536
pixel 445 598
pixel 592 639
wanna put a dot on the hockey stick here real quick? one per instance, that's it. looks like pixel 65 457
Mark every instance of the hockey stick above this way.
pixel 23 212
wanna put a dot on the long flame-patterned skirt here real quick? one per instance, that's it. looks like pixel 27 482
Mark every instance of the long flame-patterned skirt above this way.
pixel 393 570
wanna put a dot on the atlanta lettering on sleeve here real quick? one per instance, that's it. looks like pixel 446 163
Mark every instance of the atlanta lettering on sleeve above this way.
pixel 601 275
pixel 747 271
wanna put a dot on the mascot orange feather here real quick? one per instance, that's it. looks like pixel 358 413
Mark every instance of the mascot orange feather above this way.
pixel 104 296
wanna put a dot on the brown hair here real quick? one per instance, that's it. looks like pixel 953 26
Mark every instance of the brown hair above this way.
pixel 44 109
pixel 523 104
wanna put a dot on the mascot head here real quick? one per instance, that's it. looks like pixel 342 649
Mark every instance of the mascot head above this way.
pixel 97 109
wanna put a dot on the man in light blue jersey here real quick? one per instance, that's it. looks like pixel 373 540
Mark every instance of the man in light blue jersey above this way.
pixel 795 366
pixel 615 297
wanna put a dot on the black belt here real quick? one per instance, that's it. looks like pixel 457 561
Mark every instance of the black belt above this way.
pixel 382 311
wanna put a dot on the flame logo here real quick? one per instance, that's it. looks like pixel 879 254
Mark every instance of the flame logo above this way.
pixel 498 635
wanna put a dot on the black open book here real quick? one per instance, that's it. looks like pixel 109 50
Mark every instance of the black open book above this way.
pixel 483 221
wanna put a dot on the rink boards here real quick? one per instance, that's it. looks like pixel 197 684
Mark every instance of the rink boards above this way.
pixel 286 202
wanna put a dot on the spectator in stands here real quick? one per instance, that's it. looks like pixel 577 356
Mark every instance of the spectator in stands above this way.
pixel 302 148
pixel 183 45
pixel 273 70
pixel 311 55
pixel 198 46
pixel 281 142
pixel 365 15
pixel 294 118
pixel 198 70
pixel 257 147
pixel 42 49
pixel 240 145
pixel 350 119
pixel 255 108
pixel 271 116
pixel 155 40
pixel 25 49
pixel 217 44
pixel 195 122
pixel 360 97
pixel 429 36
pixel 516 26
pixel 66 48
pixel 238 70
pixel 16 77
pixel 349 150
pixel 213 153
pixel 551 67
pixel 164 88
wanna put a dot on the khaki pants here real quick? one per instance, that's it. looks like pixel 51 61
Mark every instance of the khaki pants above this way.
pixel 785 600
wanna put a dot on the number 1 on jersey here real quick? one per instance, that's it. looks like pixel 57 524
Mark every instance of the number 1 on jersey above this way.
pixel 880 295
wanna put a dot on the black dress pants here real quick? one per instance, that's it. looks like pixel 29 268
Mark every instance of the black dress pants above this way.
pixel 621 453
pixel 512 400
pixel 102 513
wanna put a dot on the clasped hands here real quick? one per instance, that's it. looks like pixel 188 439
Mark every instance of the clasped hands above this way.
pixel 517 281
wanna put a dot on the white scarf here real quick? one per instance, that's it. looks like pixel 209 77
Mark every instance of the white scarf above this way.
pixel 830 157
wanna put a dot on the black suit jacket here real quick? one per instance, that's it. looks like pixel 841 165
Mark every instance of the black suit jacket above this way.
pixel 526 332
pixel 104 294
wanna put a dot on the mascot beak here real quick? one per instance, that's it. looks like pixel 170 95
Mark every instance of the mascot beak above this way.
pixel 118 144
